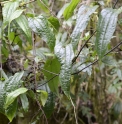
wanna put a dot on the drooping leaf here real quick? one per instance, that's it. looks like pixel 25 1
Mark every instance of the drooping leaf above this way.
pixel 40 26
pixel 65 56
pixel 52 67
pixel 23 23
pixel 70 9
pixel 50 103
pixel 105 29
pixel 43 97
pixel 54 22
pixel 10 112
pixel 25 102
pixel 13 95
pixel 83 17
pixel 8 10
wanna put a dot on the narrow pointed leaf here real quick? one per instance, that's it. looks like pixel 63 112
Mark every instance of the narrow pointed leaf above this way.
pixel 70 9
pixel 65 55
pixel 23 23
pixel 13 95
pixel 105 29
pixel 83 17
pixel 25 102
pixel 40 26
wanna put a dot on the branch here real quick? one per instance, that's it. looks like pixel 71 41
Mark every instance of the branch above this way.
pixel 115 4
pixel 98 59
pixel 82 48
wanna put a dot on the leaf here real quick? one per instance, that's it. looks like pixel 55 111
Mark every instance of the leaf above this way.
pixel 8 10
pixel 15 15
pixel 40 26
pixel 13 82
pixel 10 112
pixel 53 66
pixel 109 60
pixel 23 23
pixel 44 96
pixel 83 17
pixel 13 95
pixel 70 9
pixel 54 22
pixel 65 56
pixel 24 101
pixel 49 106
pixel 105 29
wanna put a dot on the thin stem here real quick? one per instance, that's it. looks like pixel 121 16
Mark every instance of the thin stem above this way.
pixel 115 4
pixel 83 47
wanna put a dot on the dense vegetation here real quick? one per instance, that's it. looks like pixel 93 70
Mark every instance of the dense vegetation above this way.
pixel 60 62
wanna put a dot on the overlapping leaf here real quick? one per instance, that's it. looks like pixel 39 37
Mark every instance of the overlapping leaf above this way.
pixel 40 26
pixel 105 29
pixel 70 9
pixel 65 56
pixel 23 23
pixel 83 17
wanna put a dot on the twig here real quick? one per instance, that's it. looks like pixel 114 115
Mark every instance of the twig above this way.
pixel 98 59
pixel 64 118
pixel 115 4
pixel 41 110
pixel 83 47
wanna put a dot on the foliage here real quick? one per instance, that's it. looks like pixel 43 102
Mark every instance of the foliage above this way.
pixel 61 67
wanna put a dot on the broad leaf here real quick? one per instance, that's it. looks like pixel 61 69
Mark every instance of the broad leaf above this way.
pixel 54 22
pixel 50 103
pixel 10 112
pixel 23 23
pixel 65 56
pixel 8 10
pixel 40 26
pixel 25 102
pixel 105 29
pixel 13 95
pixel 70 9
pixel 15 15
pixel 52 67
pixel 83 17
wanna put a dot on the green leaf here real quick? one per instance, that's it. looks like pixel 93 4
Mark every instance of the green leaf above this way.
pixel 13 82
pixel 2 97
pixel 13 95
pixel 40 26
pixel 70 9
pixel 65 56
pixel 52 67
pixel 23 23
pixel 10 112
pixel 44 96
pixel 8 10
pixel 54 22
pixel 83 18
pixel 15 15
pixel 49 106
pixel 105 29
pixel 24 101
pixel 109 60
pixel 11 36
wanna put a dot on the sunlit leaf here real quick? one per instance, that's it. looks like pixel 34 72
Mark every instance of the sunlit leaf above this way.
pixel 13 95
pixel 40 26
pixel 83 18
pixel 105 29
pixel 70 9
